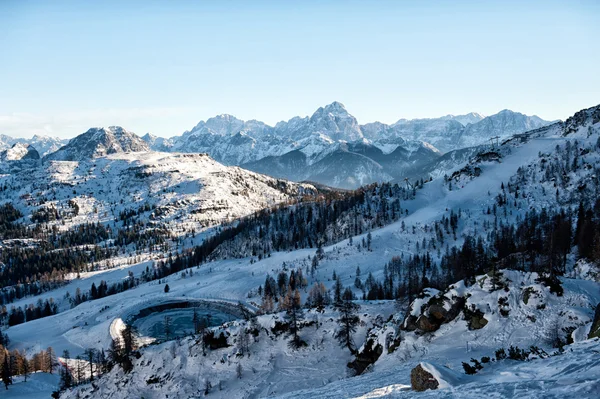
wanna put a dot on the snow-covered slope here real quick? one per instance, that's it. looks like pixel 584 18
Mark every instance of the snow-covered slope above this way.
pixel 272 369
pixel 173 188
pixel 38 385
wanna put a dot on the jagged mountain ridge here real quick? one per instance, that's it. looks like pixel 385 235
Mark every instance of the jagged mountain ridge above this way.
pixel 304 148
pixel 158 143
pixel 293 149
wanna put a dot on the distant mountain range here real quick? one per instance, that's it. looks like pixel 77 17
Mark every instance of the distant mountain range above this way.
pixel 43 144
pixel 330 147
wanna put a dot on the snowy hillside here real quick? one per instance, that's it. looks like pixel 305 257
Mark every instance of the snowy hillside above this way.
pixel 268 367
pixel 177 190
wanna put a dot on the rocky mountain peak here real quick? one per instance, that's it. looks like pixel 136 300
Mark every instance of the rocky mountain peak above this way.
pixel 99 142
pixel 19 152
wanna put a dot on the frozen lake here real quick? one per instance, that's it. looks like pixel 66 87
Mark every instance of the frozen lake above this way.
pixel 181 322
pixel 150 321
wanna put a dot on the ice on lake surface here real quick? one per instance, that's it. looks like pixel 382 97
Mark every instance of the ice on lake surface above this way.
pixel 181 321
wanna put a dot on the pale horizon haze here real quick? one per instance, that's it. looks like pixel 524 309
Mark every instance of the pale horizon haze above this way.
pixel 161 67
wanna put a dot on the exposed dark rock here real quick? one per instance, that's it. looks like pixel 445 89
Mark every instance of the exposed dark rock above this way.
pixel 475 319
pixel 280 327
pixel 595 330
pixel 422 380
pixel 410 323
pixel 427 324
pixel 437 311
pixel 367 357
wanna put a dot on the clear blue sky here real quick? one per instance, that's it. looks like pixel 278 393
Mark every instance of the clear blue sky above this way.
pixel 163 66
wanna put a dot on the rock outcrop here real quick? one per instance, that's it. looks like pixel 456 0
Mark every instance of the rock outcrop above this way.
pixel 437 311
pixel 366 357
pixel 422 380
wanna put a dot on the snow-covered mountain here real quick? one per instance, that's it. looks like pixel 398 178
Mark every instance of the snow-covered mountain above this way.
pixel 98 142
pixel 19 152
pixel 157 143
pixel 471 117
pixel 18 157
pixel 333 121
pixel 298 149
pixel 305 148
pixel 43 144
pixel 291 149
pixel 349 165
pixel 46 144
pixel 448 134
pixel 503 124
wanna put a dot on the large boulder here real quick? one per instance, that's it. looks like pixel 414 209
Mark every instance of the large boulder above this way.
pixel 422 380
pixel 595 329
pixel 432 313
pixel 431 376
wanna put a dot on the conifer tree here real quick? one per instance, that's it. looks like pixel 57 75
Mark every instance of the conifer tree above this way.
pixel 294 316
pixel 6 374
pixel 348 321
pixel 66 380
